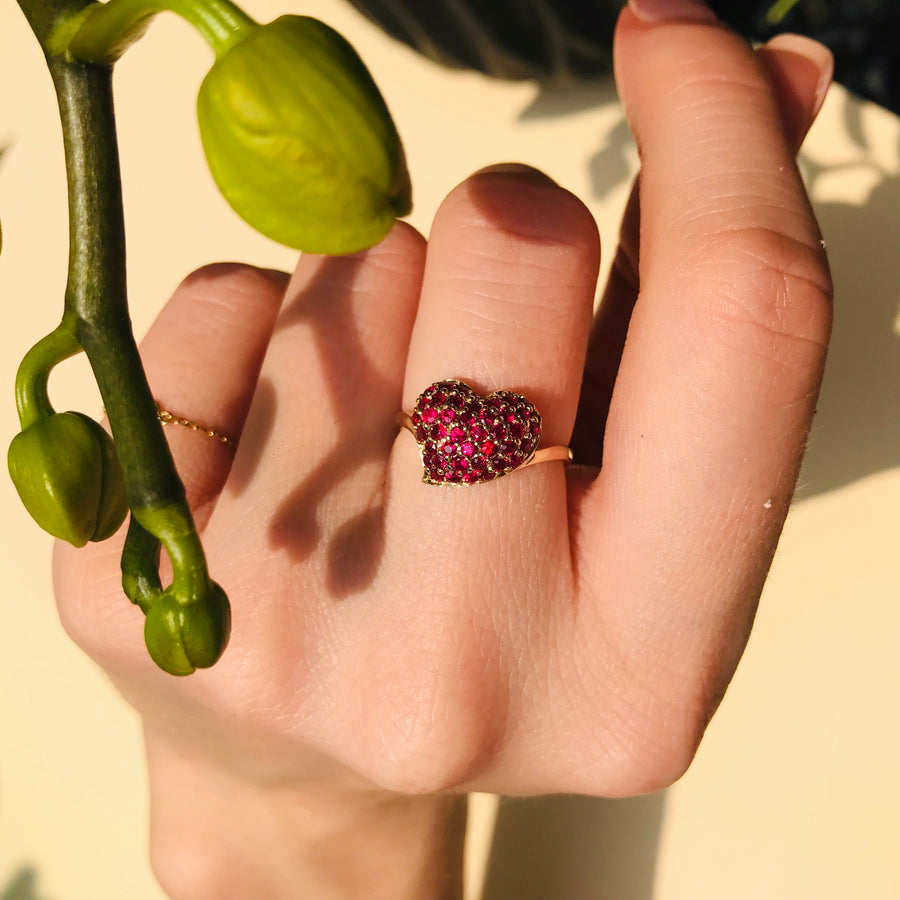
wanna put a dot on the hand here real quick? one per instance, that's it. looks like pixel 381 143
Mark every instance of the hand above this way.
pixel 396 644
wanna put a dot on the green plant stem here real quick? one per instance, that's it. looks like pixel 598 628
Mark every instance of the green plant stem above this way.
pixel 96 295
pixel 32 399
pixel 44 15
pixel 105 30
pixel 96 299
pixel 140 566
pixel 778 10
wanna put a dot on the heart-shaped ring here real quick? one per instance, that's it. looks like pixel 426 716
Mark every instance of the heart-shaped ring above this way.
pixel 468 439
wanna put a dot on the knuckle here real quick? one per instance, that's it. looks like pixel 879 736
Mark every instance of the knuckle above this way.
pixel 435 733
pixel 644 717
pixel 186 869
pixel 655 745
pixel 437 761
pixel 435 752
pixel 773 284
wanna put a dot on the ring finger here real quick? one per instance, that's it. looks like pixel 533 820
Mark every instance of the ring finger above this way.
pixel 202 357
pixel 506 304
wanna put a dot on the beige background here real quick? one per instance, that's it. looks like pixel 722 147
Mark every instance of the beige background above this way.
pixel 796 790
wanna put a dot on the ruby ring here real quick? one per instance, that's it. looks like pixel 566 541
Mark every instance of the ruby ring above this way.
pixel 468 439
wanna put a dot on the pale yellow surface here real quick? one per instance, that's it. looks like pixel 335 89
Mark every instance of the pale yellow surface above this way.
pixel 796 791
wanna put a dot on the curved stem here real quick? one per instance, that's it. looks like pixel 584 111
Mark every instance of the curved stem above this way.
pixel 190 577
pixel 148 530
pixel 140 566
pixel 102 32
pixel 32 400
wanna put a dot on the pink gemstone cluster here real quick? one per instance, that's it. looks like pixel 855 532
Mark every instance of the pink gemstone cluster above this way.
pixel 467 439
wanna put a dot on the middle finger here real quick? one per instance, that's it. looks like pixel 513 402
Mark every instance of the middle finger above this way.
pixel 506 304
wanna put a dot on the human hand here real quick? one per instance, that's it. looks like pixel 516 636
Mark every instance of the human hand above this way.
pixel 558 629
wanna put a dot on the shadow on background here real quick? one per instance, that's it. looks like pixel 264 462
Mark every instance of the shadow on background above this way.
pixel 575 848
pixel 612 163
pixel 23 886
pixel 857 427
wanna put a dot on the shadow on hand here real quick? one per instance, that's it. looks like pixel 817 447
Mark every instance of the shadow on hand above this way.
pixel 575 848
pixel 357 392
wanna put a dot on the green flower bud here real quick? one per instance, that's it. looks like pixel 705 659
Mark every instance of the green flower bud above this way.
pixel 299 140
pixel 186 635
pixel 113 505
pixel 68 477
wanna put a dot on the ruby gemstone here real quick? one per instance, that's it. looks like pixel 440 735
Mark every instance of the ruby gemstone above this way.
pixel 489 436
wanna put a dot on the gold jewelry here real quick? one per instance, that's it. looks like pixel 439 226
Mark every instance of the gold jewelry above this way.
pixel 168 418
pixel 467 439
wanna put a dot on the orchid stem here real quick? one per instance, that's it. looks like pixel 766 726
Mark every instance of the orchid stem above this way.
pixel 96 314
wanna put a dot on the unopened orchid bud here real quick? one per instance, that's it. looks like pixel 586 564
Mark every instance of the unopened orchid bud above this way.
pixel 300 141
pixel 185 635
pixel 68 477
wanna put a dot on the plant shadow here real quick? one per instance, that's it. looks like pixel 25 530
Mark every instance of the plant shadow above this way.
pixel 22 886
pixel 612 163
pixel 354 551
pixel 856 432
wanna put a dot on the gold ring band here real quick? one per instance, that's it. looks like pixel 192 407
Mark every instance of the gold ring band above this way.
pixel 168 418
pixel 464 438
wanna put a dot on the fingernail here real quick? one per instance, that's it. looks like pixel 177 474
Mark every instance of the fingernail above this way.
pixel 818 57
pixel 656 12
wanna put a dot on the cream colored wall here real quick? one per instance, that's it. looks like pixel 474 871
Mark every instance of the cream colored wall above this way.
pixel 796 790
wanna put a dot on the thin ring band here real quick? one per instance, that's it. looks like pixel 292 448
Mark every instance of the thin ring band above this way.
pixel 167 418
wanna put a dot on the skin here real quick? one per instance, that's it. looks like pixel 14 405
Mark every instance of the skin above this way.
pixel 563 629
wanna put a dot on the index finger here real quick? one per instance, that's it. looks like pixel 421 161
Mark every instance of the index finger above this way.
pixel 718 380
